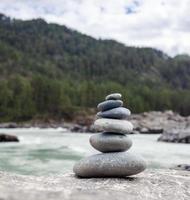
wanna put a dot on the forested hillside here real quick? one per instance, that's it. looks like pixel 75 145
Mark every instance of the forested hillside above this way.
pixel 50 70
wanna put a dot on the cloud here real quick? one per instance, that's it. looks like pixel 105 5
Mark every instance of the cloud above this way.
pixel 162 24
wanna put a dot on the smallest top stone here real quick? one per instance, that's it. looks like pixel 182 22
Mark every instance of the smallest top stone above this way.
pixel 114 96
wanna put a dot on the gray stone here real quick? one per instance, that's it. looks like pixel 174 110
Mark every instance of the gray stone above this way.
pixel 114 96
pixel 109 104
pixel 110 142
pixel 113 125
pixel 8 138
pixel 183 167
pixel 115 113
pixel 117 164
pixel 176 136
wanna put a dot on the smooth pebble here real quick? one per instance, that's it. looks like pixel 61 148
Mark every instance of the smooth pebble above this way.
pixel 110 142
pixel 113 125
pixel 115 113
pixel 114 96
pixel 109 104
pixel 118 164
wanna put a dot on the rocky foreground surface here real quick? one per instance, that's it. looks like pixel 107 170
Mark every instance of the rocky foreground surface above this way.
pixel 150 185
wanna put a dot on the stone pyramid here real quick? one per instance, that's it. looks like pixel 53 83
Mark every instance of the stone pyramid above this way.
pixel 113 143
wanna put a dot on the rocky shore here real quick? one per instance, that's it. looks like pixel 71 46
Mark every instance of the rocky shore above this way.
pixel 172 126
pixel 147 122
pixel 158 122
pixel 149 185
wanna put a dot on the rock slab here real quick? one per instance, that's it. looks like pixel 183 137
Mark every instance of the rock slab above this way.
pixel 110 142
pixel 117 164
pixel 149 185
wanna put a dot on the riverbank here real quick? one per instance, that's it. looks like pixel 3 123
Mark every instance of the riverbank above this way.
pixel 149 185
pixel 147 122
pixel 172 126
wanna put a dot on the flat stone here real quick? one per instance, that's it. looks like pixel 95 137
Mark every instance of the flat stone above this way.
pixel 110 142
pixel 109 104
pixel 118 164
pixel 114 96
pixel 115 113
pixel 113 125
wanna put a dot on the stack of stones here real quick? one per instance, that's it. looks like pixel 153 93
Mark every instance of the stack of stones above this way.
pixel 114 159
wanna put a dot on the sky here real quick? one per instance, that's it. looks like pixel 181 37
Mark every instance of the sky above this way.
pixel 161 24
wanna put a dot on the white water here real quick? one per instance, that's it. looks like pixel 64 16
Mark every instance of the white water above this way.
pixel 47 151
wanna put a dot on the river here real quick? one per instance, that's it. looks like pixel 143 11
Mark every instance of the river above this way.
pixel 54 151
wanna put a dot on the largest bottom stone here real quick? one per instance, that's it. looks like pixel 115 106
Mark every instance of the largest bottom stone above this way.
pixel 118 164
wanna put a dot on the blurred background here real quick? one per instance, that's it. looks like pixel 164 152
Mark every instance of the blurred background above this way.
pixel 59 59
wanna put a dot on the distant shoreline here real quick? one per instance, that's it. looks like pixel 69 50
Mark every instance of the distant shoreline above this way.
pixel 154 122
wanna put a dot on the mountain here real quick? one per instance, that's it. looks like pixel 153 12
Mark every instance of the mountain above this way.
pixel 51 70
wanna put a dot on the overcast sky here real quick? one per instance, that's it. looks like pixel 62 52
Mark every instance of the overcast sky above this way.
pixel 163 24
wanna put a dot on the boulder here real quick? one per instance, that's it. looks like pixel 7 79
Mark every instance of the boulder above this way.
pixel 152 130
pixel 185 167
pixel 176 135
pixel 8 138
pixel 76 128
pixel 9 125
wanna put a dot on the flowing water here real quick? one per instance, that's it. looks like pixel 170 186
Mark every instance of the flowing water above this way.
pixel 50 151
